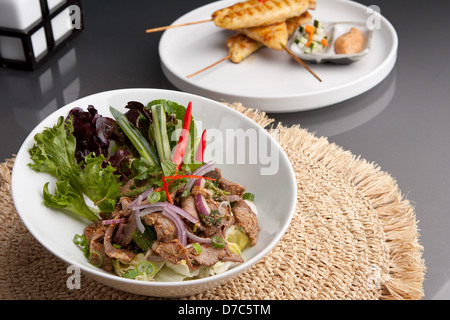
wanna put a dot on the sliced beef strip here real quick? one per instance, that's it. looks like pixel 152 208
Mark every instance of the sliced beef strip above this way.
pixel 91 230
pixel 216 228
pixel 209 231
pixel 123 235
pixel 125 202
pixel 121 254
pixel 95 234
pixel 210 255
pixel 232 187
pixel 224 184
pixel 196 190
pixel 233 258
pixel 215 174
pixel 98 256
pixel 246 218
pixel 118 235
pixel 121 213
pixel 164 227
pixel 174 252
pixel 188 205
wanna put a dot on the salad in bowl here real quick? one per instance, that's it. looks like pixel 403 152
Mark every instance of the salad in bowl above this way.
pixel 157 211
pixel 94 190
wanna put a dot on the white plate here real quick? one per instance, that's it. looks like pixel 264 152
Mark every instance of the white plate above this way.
pixel 271 80
pixel 276 195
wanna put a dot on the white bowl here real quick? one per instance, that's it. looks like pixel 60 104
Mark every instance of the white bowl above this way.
pixel 270 178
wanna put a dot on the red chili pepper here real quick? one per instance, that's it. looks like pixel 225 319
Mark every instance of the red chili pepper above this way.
pixel 203 144
pixel 180 148
pixel 201 148
pixel 166 189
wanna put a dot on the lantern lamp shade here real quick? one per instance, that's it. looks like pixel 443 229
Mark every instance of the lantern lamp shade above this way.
pixel 32 30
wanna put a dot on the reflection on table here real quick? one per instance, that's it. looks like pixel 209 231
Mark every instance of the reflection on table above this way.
pixel 344 116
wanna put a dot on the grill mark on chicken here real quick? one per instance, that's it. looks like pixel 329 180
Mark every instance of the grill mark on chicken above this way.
pixel 272 36
pixel 253 13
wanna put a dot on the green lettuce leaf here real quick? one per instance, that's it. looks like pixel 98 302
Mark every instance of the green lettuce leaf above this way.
pixel 97 183
pixel 54 153
pixel 54 149
pixel 68 198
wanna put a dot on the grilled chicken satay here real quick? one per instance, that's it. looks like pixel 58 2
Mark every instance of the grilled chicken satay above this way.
pixel 272 36
pixel 241 46
pixel 256 13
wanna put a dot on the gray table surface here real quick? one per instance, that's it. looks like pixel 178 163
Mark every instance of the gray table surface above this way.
pixel 402 124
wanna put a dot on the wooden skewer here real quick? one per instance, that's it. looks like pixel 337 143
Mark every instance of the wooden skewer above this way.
pixel 300 61
pixel 210 66
pixel 176 26
pixel 229 56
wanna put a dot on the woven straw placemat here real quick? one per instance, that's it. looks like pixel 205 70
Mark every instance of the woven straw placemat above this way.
pixel 353 236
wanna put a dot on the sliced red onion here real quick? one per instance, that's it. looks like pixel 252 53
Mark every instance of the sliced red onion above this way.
pixel 136 202
pixel 198 239
pixel 118 236
pixel 113 221
pixel 173 213
pixel 149 210
pixel 200 183
pixel 146 193
pixel 201 171
pixel 182 236
pixel 140 198
pixel 145 209
pixel 182 213
pixel 202 205
pixel 168 206
pixel 142 206
pixel 207 167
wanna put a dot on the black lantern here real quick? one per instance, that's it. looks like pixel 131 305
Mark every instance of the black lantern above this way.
pixel 58 22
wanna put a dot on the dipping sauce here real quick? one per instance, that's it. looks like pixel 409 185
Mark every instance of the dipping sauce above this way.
pixel 351 42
